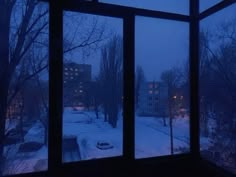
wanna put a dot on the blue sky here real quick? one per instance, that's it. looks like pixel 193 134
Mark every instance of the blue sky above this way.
pixel 159 44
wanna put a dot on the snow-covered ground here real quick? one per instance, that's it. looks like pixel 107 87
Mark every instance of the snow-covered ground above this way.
pixel 89 131
pixel 151 139
pixel 25 162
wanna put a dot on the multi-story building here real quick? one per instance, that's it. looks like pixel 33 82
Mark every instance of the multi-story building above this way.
pixel 76 78
pixel 153 99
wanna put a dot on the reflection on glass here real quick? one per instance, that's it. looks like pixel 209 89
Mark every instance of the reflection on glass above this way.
pixel 24 99
pixel 92 82
pixel 217 89
pixel 173 6
pixel 161 88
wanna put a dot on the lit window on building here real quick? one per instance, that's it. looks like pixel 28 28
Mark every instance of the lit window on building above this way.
pixel 150 91
pixel 66 69
pixel 71 77
pixel 66 73
pixel 71 69
pixel 156 92
pixel 80 91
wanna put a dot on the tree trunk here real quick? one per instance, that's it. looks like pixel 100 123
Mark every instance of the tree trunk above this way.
pixel 96 110
pixel 46 134
pixel 171 127
pixel 22 123
pixel 105 113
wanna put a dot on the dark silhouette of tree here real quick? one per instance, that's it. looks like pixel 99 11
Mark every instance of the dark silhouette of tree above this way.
pixel 139 80
pixel 204 75
pixel 171 78
pixel 13 51
pixel 111 79
pixel 217 90
pixel 24 37
pixel 96 98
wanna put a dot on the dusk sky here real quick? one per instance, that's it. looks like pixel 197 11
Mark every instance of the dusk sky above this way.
pixel 159 44
pixel 176 6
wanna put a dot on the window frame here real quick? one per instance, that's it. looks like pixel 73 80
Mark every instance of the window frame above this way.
pixel 128 15
pixel 56 8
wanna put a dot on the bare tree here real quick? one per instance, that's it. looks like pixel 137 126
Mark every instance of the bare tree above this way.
pixel 95 91
pixel 218 84
pixel 12 53
pixel 139 80
pixel 204 66
pixel 24 37
pixel 172 79
pixel 111 79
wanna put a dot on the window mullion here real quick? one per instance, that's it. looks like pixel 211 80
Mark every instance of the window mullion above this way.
pixel 129 31
pixel 55 87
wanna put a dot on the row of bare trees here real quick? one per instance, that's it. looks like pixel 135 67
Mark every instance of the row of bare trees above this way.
pixel 217 89
pixel 107 88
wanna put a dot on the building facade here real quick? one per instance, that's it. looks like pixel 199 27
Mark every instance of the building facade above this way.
pixel 152 99
pixel 76 82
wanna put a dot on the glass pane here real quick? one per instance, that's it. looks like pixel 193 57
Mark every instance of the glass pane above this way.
pixel 173 6
pixel 207 4
pixel 93 69
pixel 217 88
pixel 23 88
pixel 161 87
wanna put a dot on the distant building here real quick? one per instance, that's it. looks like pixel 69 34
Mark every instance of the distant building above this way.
pixel 76 81
pixel 153 99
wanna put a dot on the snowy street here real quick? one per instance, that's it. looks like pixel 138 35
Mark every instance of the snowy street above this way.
pixel 90 130
pixel 151 139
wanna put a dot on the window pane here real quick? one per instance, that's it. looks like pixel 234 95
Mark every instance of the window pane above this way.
pixel 217 88
pixel 93 69
pixel 173 6
pixel 207 4
pixel 161 87
pixel 23 88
